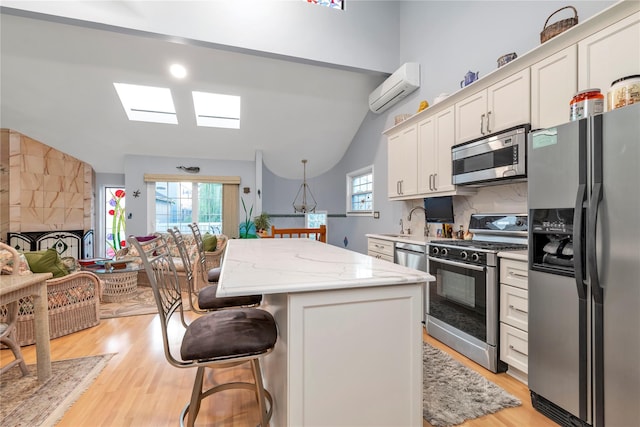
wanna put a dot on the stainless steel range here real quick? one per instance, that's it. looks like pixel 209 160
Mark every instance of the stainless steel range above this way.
pixel 463 306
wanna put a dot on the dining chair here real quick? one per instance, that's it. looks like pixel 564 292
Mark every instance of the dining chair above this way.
pixel 219 339
pixel 319 233
pixel 205 297
pixel 8 329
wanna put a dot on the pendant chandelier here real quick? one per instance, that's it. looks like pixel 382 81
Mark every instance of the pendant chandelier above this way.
pixel 302 205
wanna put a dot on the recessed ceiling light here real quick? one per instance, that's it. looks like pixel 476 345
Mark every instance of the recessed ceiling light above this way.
pixel 178 71
pixel 147 103
pixel 217 110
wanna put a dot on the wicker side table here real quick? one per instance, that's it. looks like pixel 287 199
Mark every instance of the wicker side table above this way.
pixel 118 285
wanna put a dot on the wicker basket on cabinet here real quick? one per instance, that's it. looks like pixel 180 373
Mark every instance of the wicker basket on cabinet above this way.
pixel 548 32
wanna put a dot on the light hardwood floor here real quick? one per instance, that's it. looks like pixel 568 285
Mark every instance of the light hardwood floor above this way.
pixel 139 388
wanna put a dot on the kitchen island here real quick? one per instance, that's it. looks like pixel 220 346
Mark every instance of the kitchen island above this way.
pixel 349 350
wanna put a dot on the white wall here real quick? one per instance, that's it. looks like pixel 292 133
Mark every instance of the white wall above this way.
pixel 365 35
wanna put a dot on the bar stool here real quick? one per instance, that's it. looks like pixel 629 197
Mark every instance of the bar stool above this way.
pixel 206 297
pixel 219 339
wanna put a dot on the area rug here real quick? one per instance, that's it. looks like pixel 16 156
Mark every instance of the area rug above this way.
pixel 26 402
pixel 140 303
pixel 453 393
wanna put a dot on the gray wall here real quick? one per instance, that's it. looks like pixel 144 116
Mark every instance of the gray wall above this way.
pixel 448 38
pixel 136 166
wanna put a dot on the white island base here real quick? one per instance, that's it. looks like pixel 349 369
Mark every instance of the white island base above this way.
pixel 349 349
pixel 349 357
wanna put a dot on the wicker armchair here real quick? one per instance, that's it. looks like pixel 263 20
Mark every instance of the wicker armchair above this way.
pixel 74 304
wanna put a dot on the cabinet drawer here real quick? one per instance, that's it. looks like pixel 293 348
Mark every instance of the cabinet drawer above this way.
pixel 514 306
pixel 514 273
pixel 381 256
pixel 385 247
pixel 514 347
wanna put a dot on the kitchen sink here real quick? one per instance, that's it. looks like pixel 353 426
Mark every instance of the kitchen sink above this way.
pixel 395 235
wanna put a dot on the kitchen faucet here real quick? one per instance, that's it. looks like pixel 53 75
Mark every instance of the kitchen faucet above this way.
pixel 426 227
pixel 417 207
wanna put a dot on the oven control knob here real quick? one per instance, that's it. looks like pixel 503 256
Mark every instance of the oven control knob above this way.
pixel 444 251
pixel 475 257
pixel 435 250
pixel 464 255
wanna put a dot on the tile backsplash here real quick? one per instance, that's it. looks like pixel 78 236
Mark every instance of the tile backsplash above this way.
pixel 504 198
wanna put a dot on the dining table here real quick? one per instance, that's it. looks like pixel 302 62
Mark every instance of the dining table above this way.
pixel 349 348
pixel 15 287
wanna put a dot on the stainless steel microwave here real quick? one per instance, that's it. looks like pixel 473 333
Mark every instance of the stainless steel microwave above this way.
pixel 492 158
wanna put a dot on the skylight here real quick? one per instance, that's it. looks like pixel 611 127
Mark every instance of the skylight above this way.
pixel 147 103
pixel 216 110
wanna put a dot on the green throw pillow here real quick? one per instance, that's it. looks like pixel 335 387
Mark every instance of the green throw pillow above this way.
pixel 46 262
pixel 209 242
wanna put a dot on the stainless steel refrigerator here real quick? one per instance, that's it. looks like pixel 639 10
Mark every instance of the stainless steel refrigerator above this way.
pixel 584 270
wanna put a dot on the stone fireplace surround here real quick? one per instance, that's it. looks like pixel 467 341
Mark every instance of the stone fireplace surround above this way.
pixel 48 190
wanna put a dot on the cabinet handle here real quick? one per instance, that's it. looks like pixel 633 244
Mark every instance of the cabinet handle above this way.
pixel 435 188
pixel 518 274
pixel 482 124
pixel 488 121
pixel 398 187
pixel 401 190
pixel 518 309
pixel 511 347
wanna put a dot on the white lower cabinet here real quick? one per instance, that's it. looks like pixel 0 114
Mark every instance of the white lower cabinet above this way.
pixel 514 317
pixel 381 249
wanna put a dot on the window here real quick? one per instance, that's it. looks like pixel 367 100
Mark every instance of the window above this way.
pixel 360 192
pixel 114 224
pixel 333 4
pixel 212 202
pixel 178 204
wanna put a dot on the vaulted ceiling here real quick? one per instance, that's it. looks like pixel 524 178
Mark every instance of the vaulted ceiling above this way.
pixel 57 87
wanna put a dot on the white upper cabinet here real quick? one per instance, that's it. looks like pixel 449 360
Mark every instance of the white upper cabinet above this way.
pixel 554 81
pixel 501 106
pixel 403 162
pixel 610 54
pixel 435 138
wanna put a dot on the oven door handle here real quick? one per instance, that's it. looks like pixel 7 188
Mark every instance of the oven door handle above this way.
pixel 458 264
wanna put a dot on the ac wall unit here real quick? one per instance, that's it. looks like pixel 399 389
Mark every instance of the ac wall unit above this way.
pixel 401 83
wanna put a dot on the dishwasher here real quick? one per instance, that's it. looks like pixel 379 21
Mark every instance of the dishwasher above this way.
pixel 413 256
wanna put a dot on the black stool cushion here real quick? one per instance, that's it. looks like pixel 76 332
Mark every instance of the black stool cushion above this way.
pixel 207 299
pixel 214 274
pixel 229 333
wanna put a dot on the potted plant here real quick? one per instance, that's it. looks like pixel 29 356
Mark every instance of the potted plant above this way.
pixel 247 230
pixel 262 223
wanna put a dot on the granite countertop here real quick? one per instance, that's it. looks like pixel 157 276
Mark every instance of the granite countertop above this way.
pixel 522 255
pixel 270 266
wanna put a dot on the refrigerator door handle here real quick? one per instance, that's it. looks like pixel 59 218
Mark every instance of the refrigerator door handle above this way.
pixel 594 206
pixel 578 256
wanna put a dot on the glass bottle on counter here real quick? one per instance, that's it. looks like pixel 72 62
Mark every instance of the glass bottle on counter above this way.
pixel 460 233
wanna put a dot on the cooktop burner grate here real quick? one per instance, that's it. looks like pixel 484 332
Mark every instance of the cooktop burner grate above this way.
pixel 478 244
